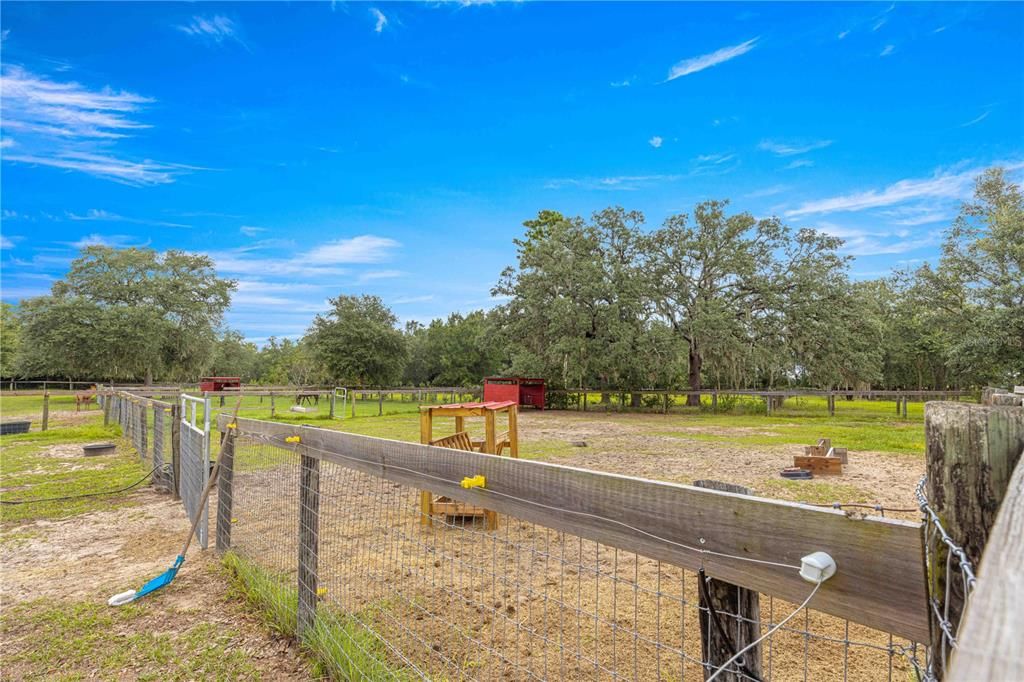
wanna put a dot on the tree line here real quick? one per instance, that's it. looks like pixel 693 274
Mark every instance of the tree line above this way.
pixel 710 299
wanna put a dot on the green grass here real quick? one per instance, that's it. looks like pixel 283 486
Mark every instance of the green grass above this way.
pixel 858 425
pixel 88 640
pixel 341 648
pixel 815 492
pixel 29 473
pixel 22 406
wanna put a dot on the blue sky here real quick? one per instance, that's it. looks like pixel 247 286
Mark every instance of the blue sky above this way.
pixel 314 149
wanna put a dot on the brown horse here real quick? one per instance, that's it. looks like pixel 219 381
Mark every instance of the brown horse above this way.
pixel 84 398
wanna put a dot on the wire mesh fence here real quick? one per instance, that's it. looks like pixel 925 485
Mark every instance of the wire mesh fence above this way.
pixel 194 464
pixel 344 559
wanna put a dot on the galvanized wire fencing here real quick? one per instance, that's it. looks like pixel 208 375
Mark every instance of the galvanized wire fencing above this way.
pixel 587 575
pixel 194 461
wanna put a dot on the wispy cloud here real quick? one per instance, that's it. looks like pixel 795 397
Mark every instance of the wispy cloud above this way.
pixel 251 230
pixel 114 240
pixel 614 182
pixel 706 61
pixel 365 248
pixel 843 34
pixel 216 29
pixel 70 126
pixel 403 300
pixel 380 274
pixel 5 243
pixel 979 119
pixel 866 242
pixel 326 259
pixel 107 216
pixel 942 185
pixel 382 20
pixel 780 148
pixel 655 141
pixel 887 50
pixel 879 24
pixel 625 83
pixel 766 192
pixel 798 163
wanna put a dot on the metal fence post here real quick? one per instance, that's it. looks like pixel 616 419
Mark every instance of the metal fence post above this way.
pixel 309 540
pixel 46 410
pixel 176 449
pixel 224 481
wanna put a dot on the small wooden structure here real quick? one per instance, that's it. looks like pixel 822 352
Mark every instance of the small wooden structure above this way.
pixel 220 383
pixel 822 459
pixel 493 443
pixel 521 390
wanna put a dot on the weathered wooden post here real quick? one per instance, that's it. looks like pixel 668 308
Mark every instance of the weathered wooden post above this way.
pixel 224 480
pixel 176 448
pixel 334 396
pixel 831 404
pixel 380 403
pixel 309 540
pixel 273 407
pixel 714 401
pixel 143 430
pixel 352 402
pixel 970 452
pixel 106 410
pixel 46 410
pixel 905 407
pixel 729 618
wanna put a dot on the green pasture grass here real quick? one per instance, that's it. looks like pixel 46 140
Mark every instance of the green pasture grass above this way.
pixel 55 640
pixel 341 648
pixel 14 406
pixel 27 472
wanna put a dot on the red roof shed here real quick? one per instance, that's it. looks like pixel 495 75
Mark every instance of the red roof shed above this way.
pixel 521 390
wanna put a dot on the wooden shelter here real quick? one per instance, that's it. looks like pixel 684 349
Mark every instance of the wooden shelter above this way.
pixel 493 443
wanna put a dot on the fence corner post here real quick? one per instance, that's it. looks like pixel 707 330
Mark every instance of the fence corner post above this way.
pixel 309 540
pixel 727 607
pixel 106 410
pixel 224 491
pixel 176 449
pixel 970 455
pixel 46 410
pixel 334 396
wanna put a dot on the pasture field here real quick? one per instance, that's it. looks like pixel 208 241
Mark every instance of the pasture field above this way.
pixel 64 559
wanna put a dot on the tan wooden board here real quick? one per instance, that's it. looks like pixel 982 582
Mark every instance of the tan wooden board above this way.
pixel 819 466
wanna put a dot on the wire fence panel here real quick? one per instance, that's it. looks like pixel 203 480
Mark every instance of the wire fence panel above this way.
pixel 195 472
pixel 392 597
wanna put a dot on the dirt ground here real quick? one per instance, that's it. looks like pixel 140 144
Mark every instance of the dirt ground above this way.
pixel 90 557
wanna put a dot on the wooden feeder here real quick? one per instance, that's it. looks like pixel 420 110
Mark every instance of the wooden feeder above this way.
pixel 494 443
pixel 822 459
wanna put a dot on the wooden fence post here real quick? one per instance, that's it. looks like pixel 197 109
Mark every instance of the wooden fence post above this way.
pixel 334 395
pixel 380 403
pixel 714 401
pixel 729 618
pixel 143 430
pixel 106 409
pixel 352 402
pixel 46 410
pixel 224 491
pixel 904 407
pixel 970 455
pixel 272 405
pixel 309 541
pixel 176 448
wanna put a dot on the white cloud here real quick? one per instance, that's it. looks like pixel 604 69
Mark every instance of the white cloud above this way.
pixel 790 148
pixel 251 230
pixel 766 192
pixel 112 240
pixel 715 158
pixel 887 50
pixel 403 300
pixel 7 143
pixel 706 61
pixel 979 119
pixel 843 34
pixel 798 163
pixel 655 141
pixel 5 243
pixel 107 216
pixel 380 274
pixel 879 24
pixel 621 84
pixel 216 29
pixel 365 248
pixel 382 20
pixel 70 126
pixel 615 182
pixel 942 185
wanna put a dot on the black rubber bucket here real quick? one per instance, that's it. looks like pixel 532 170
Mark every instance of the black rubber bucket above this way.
pixel 7 428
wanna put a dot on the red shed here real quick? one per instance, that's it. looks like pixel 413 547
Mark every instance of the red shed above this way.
pixel 219 383
pixel 521 390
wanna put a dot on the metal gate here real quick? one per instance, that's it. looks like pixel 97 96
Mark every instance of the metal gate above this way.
pixel 195 461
